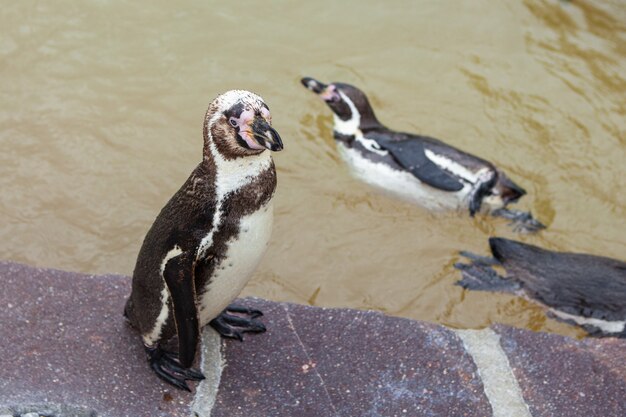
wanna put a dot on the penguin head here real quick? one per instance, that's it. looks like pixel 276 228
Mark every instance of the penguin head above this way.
pixel 503 192
pixel 507 189
pixel 239 123
pixel 351 108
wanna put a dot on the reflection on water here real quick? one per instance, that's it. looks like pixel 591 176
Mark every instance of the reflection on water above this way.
pixel 101 117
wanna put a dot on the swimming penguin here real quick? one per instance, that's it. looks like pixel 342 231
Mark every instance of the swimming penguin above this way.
pixel 208 239
pixel 581 289
pixel 416 168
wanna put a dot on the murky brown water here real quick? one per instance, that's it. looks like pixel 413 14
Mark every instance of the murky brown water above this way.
pixel 101 114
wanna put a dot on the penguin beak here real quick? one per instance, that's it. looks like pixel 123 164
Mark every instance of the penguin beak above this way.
pixel 509 191
pixel 265 135
pixel 327 93
pixel 313 85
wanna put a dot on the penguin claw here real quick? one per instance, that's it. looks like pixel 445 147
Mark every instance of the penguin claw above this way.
pixel 226 331
pixel 165 365
pixel 481 277
pixel 179 383
pixel 233 327
pixel 252 312
pixel 174 365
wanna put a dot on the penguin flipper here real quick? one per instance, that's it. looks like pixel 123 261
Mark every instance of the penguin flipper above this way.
pixel 178 275
pixel 411 155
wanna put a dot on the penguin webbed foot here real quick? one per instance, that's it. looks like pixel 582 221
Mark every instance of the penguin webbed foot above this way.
pixel 522 221
pixel 230 323
pixel 252 312
pixel 479 275
pixel 166 366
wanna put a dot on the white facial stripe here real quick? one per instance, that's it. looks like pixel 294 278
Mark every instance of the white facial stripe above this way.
pixel 230 98
pixel 347 127
pixel 604 325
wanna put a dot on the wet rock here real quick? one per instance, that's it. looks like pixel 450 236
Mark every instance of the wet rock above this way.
pixel 560 376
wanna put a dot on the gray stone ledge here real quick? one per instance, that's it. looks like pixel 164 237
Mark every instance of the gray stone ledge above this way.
pixel 67 349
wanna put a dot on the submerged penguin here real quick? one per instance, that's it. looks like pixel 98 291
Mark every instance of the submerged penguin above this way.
pixel 586 290
pixel 208 239
pixel 416 168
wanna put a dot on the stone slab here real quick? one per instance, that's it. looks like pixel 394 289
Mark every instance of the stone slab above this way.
pixel 560 376
pixel 67 352
pixel 337 362
pixel 66 348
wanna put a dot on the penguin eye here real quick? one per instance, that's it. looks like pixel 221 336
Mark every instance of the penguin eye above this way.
pixel 233 122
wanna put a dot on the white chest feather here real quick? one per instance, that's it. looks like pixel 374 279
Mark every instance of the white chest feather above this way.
pixel 400 183
pixel 244 254
pixel 231 176
pixel 246 249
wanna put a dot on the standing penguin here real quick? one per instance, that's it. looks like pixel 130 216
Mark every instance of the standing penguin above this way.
pixel 416 168
pixel 208 239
